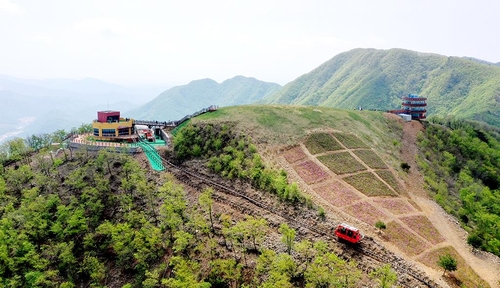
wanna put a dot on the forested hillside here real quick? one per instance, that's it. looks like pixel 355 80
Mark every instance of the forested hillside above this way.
pixel 80 219
pixel 461 163
pixel 376 79
pixel 180 101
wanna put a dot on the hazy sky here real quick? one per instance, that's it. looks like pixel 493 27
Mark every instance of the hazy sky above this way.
pixel 174 42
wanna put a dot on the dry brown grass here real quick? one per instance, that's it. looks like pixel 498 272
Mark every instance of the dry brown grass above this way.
pixel 341 163
pixel 464 273
pixel 337 194
pixel 366 212
pixel 369 184
pixel 415 205
pixel 370 158
pixel 423 227
pixel 295 154
pixel 396 206
pixel 310 172
pixel 404 239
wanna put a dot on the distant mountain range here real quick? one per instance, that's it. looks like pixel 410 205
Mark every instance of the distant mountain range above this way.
pixel 43 106
pixel 180 101
pixel 376 79
pixel 368 78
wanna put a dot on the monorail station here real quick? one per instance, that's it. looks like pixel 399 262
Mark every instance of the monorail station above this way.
pixel 109 126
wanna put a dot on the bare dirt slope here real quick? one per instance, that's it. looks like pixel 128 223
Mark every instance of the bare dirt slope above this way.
pixel 485 265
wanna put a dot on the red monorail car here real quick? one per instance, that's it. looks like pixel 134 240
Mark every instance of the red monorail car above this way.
pixel 348 233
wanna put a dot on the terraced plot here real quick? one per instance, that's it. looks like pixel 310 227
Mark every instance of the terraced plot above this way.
pixel 341 163
pixel 369 184
pixel 414 205
pixel 389 178
pixel 468 277
pixel 321 142
pixel 423 227
pixel 404 239
pixel 337 194
pixel 310 172
pixel 366 212
pixel 370 158
pixel 295 154
pixel 396 206
pixel 350 140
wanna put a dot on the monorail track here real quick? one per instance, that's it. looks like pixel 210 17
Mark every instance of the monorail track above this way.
pixel 407 275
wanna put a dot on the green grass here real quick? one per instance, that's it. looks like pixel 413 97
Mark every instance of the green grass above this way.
pixel 212 115
pixel 389 178
pixel 370 158
pixel 341 163
pixel 176 129
pixel 350 140
pixel 356 117
pixel 288 125
pixel 368 184
pixel 271 120
pixel 321 142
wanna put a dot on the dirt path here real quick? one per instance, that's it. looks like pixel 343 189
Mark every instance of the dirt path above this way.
pixel 485 265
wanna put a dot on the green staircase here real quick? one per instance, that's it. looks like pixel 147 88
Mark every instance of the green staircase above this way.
pixel 152 155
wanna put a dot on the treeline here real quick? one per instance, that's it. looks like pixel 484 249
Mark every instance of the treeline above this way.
pixel 234 156
pixel 20 149
pixel 461 164
pixel 98 220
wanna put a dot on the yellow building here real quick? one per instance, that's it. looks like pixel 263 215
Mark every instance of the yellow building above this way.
pixel 111 127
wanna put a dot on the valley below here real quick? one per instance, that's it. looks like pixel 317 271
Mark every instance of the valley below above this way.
pixel 11 130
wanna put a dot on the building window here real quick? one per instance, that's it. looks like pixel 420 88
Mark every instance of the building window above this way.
pixel 108 132
pixel 123 132
pixel 96 132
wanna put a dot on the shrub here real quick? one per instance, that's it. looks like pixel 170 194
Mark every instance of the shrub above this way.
pixel 447 262
pixel 380 225
pixel 405 166
pixel 474 240
pixel 322 213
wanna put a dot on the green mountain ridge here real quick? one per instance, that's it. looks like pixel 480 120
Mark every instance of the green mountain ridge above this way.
pixel 482 61
pixel 376 79
pixel 175 103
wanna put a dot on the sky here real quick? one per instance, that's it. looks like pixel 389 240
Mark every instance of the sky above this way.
pixel 175 42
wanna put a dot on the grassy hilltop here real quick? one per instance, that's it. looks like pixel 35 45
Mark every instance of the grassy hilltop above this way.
pixel 282 125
